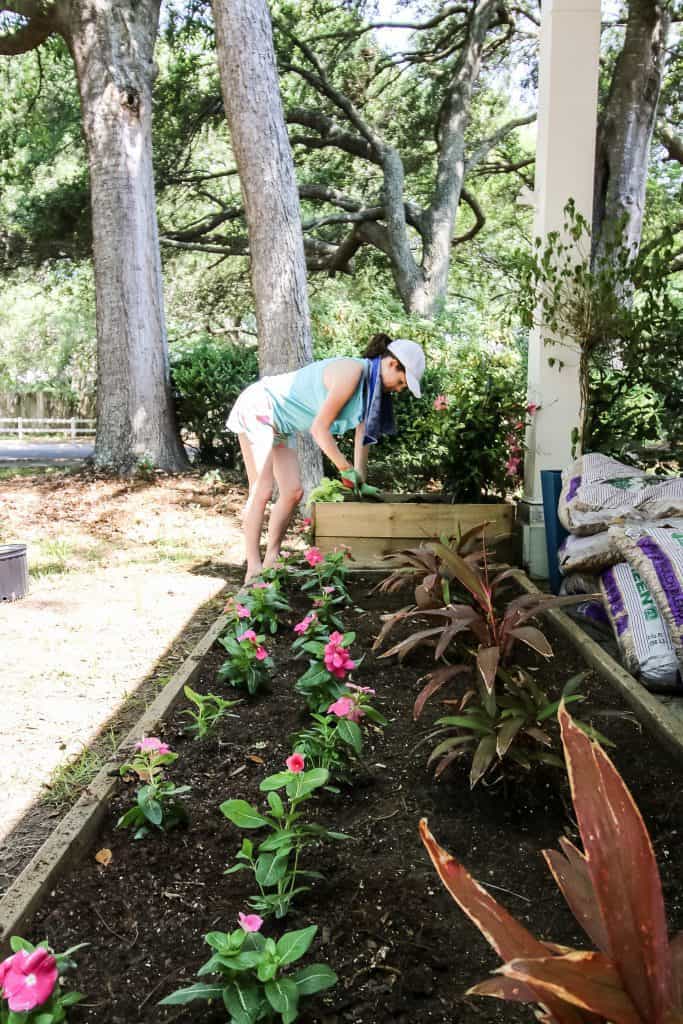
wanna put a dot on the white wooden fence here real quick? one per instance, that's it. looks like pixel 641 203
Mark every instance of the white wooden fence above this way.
pixel 21 425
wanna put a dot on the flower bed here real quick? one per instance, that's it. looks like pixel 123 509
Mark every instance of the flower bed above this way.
pixel 401 949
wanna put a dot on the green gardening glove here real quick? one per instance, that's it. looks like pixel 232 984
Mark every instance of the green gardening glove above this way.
pixel 354 483
pixel 351 481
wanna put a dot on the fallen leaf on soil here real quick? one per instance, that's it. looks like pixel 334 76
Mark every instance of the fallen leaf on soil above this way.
pixel 255 758
pixel 103 856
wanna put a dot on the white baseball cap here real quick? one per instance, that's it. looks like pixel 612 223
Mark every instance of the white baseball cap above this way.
pixel 412 358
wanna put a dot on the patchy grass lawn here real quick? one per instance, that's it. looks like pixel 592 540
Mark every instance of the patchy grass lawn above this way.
pixel 124 578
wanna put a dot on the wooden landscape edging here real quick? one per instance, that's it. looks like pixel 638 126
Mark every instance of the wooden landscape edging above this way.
pixel 654 715
pixel 77 828
pixel 374 530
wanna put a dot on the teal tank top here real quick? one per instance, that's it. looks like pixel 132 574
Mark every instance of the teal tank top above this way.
pixel 298 395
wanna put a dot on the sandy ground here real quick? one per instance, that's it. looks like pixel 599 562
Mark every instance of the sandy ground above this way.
pixel 118 571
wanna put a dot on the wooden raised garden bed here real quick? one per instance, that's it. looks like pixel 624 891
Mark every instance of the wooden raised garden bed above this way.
pixel 372 530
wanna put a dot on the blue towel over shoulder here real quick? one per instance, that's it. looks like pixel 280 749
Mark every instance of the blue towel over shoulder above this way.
pixel 378 412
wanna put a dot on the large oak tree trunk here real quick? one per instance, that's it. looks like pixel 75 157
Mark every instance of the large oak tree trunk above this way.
pixel 112 43
pixel 626 126
pixel 251 93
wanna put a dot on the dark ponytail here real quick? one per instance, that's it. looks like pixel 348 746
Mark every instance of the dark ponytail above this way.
pixel 377 346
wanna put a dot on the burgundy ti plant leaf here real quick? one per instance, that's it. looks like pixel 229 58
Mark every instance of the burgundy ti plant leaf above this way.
pixel 613 888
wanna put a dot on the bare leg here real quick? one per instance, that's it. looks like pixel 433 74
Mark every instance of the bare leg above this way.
pixel 290 492
pixel 258 461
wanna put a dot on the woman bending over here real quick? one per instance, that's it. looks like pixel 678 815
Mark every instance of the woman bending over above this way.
pixel 325 398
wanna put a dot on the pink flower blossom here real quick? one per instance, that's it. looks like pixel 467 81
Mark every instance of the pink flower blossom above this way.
pixel 250 922
pixel 28 979
pixel 261 653
pixel 337 659
pixel 242 611
pixel 532 408
pixel 248 634
pixel 306 522
pixel 313 557
pixel 328 590
pixel 361 689
pixel 295 763
pixel 512 466
pixel 302 626
pixel 346 707
pixel 152 745
pixel 441 402
pixel 260 586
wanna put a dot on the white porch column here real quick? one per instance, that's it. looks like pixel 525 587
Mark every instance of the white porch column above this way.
pixel 565 157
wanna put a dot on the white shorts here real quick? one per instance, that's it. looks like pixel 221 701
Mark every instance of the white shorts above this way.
pixel 252 414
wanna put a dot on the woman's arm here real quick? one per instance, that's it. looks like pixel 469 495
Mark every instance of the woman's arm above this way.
pixel 341 380
pixel 360 453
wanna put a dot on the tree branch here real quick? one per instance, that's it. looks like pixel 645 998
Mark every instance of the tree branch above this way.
pixel 479 220
pixel 417 26
pixel 486 145
pixel 331 134
pixel 26 36
pixel 672 143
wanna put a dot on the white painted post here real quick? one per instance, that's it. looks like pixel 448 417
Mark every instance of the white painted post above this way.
pixel 565 158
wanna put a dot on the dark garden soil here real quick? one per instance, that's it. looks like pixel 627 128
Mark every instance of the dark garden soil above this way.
pixel 402 949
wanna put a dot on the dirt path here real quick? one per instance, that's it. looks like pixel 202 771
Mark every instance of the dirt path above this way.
pixel 118 571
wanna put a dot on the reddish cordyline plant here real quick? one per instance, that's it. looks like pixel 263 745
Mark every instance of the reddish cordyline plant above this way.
pixel 613 889
pixel 496 632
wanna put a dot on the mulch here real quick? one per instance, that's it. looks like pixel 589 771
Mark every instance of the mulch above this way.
pixel 402 949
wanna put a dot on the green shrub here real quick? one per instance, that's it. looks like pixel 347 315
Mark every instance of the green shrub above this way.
pixel 623 413
pixel 207 377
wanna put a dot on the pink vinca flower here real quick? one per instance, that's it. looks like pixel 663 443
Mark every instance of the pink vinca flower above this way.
pixel 345 707
pixel 302 626
pixel 328 590
pixel 313 557
pixel 532 408
pixel 261 654
pixel 248 634
pixel 295 763
pixel 250 922
pixel 441 403
pixel 242 611
pixel 260 586
pixel 152 745
pixel 361 689
pixel 27 979
pixel 306 522
pixel 337 659
pixel 512 466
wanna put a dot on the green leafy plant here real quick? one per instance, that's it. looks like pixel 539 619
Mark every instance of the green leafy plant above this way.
pixel 266 604
pixel 323 571
pixel 252 974
pixel 323 681
pixel 613 889
pixel 207 376
pixel 335 738
pixel 248 664
pixel 325 607
pixel 30 984
pixel 210 710
pixel 327 490
pixel 275 862
pixel 157 805
pixel 511 724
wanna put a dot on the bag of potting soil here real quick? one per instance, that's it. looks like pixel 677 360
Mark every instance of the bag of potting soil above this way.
pixel 589 554
pixel 580 583
pixel 643 638
pixel 598 492
pixel 657 554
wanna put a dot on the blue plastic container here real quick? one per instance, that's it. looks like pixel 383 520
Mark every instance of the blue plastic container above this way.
pixel 551 486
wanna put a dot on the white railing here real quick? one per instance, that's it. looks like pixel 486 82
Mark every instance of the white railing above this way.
pixel 22 425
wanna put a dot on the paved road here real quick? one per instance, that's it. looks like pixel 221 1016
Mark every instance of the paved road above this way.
pixel 44 451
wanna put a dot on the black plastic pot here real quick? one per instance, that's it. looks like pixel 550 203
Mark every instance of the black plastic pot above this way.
pixel 13 572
